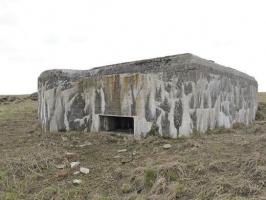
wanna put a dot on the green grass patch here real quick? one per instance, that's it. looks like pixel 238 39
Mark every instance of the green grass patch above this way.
pixel 171 175
pixel 3 174
pixel 104 197
pixel 180 190
pixel 126 188
pixel 154 131
pixel 262 97
pixel 150 176
pixel 18 111
pixel 8 196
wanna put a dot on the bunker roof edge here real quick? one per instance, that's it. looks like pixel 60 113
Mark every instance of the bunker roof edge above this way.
pixel 182 61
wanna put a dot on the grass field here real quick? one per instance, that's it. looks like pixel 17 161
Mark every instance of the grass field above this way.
pixel 262 97
pixel 223 164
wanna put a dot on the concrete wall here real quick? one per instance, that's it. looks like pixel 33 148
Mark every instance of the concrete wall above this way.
pixel 177 102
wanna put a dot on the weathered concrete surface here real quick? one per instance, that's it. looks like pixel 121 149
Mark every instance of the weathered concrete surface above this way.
pixel 177 94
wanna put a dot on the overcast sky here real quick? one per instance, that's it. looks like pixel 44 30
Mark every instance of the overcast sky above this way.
pixel 36 35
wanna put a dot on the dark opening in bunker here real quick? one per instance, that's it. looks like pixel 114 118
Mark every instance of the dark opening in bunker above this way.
pixel 117 123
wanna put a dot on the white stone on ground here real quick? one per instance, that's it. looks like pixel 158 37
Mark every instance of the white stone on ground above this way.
pixel 62 166
pixel 122 150
pixel 167 146
pixel 68 154
pixel 74 164
pixel 76 173
pixel 84 170
pixel 116 157
pixel 85 144
pixel 77 181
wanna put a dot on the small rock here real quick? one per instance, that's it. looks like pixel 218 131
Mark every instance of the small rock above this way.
pixel 70 154
pixel 76 173
pixel 167 146
pixel 77 181
pixel 85 144
pixel 84 170
pixel 122 150
pixel 134 153
pixel 74 164
pixel 62 166
pixel 116 157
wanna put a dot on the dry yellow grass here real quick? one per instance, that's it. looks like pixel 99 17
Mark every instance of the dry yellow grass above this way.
pixel 262 97
pixel 225 164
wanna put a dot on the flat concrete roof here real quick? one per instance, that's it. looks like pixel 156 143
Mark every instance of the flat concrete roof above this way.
pixel 174 63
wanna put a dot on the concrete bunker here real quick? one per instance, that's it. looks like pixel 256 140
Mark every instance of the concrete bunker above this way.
pixel 114 123
pixel 176 94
